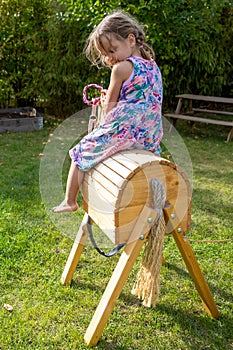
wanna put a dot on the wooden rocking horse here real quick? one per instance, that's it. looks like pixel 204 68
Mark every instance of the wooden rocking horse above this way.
pixel 118 196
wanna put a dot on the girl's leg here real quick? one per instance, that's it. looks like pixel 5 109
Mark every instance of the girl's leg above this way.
pixel 74 180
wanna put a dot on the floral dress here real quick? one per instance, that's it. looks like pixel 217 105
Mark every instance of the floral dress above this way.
pixel 134 123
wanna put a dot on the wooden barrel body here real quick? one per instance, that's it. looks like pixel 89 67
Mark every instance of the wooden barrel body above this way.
pixel 116 190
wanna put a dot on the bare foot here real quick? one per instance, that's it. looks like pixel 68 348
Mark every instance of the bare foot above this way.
pixel 65 207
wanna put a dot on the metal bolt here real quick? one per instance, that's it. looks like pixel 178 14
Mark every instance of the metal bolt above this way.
pixel 141 237
pixel 173 216
pixel 149 220
pixel 179 229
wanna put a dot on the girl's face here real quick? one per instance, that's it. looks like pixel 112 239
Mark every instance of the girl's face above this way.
pixel 115 50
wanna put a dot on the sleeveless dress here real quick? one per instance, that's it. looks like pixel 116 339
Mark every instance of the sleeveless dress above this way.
pixel 134 123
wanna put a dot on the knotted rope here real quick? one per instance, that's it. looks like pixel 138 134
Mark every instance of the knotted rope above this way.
pixel 147 285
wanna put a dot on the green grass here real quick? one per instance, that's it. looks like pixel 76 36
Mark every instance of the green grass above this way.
pixel 33 252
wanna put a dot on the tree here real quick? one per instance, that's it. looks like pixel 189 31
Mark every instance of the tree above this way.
pixel 42 61
pixel 21 23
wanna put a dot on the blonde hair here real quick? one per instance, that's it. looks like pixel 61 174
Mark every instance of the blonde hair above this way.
pixel 118 24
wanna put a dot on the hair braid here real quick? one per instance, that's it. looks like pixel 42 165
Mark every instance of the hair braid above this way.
pixel 146 50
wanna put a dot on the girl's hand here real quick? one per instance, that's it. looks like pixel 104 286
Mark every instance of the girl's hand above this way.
pixel 102 98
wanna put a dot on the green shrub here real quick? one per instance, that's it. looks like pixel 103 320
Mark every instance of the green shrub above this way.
pixel 42 62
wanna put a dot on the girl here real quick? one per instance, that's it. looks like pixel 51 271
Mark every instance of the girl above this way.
pixel 133 100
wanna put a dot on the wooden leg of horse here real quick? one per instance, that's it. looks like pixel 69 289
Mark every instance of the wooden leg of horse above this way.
pixel 119 277
pixel 196 273
pixel 75 252
pixel 230 134
pixel 193 267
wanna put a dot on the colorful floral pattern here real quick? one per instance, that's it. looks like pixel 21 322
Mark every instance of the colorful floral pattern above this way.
pixel 135 122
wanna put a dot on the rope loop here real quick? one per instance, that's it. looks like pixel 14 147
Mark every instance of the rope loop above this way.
pixel 94 101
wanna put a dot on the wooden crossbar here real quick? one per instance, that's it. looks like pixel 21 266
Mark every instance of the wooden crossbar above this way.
pixel 198 119
pixel 212 111
pixel 213 99
pixel 203 120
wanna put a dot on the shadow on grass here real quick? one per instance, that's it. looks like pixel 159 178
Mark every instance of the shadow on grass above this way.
pixel 131 300
pixel 220 292
pixel 197 331
pixel 210 330
pixel 211 199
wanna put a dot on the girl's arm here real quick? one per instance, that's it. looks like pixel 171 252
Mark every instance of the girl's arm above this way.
pixel 121 71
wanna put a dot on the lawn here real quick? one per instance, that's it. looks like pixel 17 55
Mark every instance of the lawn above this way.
pixel 33 252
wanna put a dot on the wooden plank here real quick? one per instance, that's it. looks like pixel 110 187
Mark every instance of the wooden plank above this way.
pixel 230 135
pixel 21 124
pixel 118 279
pixel 109 185
pixel 117 167
pixel 75 252
pixel 135 192
pixel 128 214
pixel 29 111
pixel 97 195
pixel 194 269
pixel 212 111
pixel 123 233
pixel 206 98
pixel 105 221
pixel 110 174
pixel 126 162
pixel 140 158
pixel 179 105
pixel 197 119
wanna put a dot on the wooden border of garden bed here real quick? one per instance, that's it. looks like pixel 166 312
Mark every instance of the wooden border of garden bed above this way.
pixel 20 119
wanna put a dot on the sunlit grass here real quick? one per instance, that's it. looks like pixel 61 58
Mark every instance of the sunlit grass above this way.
pixel 33 253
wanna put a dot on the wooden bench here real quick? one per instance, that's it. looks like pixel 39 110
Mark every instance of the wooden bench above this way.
pixel 209 99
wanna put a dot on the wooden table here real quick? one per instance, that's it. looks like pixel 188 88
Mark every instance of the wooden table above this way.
pixel 211 100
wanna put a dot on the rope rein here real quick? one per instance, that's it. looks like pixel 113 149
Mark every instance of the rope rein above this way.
pixel 94 101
